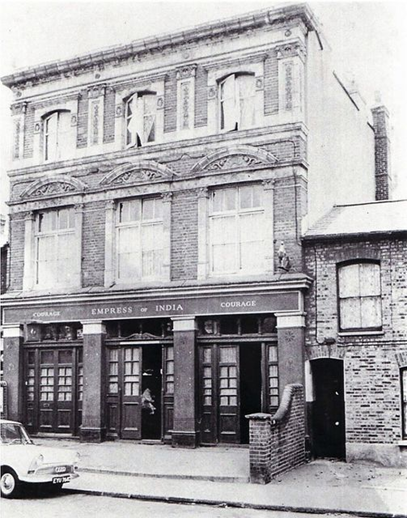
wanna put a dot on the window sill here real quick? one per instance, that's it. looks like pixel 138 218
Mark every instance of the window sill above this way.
pixel 403 443
pixel 361 333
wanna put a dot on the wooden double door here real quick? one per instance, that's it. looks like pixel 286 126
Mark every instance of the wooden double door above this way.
pixel 53 389
pixel 235 380
pixel 140 391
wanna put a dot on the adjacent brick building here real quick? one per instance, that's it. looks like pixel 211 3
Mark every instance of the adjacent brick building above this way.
pixel 356 331
pixel 159 191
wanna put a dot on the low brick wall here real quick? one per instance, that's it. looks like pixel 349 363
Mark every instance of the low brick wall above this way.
pixel 277 442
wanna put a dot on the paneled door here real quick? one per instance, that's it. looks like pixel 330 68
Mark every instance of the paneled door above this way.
pixel 124 392
pixel 52 390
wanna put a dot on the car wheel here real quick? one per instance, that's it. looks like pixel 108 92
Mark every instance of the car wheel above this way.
pixel 9 484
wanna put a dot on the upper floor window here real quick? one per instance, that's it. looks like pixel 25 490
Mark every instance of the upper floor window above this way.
pixel 139 239
pixel 236 227
pixel 141 111
pixel 56 136
pixel 237 102
pixel 55 248
pixel 360 297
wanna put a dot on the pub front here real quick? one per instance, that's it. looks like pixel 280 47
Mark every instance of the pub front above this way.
pixel 183 370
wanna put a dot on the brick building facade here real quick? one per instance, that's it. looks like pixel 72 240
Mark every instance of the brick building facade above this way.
pixel 159 191
pixel 356 331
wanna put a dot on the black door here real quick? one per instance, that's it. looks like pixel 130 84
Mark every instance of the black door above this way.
pixel 54 388
pixel 329 409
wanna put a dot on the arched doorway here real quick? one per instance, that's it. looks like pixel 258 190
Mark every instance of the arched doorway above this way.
pixel 328 416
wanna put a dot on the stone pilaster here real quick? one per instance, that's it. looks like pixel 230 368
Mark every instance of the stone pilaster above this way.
pixel 291 348
pixel 13 370
pixel 185 358
pixel 93 405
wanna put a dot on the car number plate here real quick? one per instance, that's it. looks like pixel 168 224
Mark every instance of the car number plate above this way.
pixel 61 480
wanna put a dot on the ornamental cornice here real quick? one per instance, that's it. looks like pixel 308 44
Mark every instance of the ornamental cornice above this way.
pixel 115 55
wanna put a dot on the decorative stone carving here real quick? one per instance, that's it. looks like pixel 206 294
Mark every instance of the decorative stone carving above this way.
pixel 291 50
pixel 96 91
pixel 119 110
pixel 186 72
pixel 239 157
pixel 203 192
pixel 160 102
pixel 166 196
pixel 259 83
pixel 288 72
pixel 139 173
pixel 53 186
pixel 212 92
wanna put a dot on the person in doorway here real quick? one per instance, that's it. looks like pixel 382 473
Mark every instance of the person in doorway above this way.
pixel 147 400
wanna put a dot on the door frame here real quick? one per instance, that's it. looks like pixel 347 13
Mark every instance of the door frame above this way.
pixel 33 407
pixel 330 364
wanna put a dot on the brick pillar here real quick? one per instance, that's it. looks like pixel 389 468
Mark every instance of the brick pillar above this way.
pixel 93 405
pixel 185 427
pixel 382 153
pixel 13 370
pixel 260 448
pixel 291 348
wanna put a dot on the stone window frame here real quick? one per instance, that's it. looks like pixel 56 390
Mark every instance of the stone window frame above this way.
pixel 41 114
pixel 216 76
pixel 111 278
pixel 30 248
pixel 204 272
pixel 124 95
pixel 362 329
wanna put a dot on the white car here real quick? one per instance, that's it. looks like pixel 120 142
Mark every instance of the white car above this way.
pixel 22 461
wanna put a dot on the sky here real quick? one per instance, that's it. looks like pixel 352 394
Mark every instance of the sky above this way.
pixel 368 40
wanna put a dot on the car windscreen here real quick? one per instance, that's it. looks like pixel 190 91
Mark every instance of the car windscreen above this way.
pixel 12 433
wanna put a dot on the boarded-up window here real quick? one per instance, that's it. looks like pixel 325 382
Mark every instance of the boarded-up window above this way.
pixel 360 297
pixel 141 119
pixel 236 102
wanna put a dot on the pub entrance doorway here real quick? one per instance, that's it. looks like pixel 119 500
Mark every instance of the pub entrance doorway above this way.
pixel 329 409
pixel 53 389
pixel 140 388
pixel 236 379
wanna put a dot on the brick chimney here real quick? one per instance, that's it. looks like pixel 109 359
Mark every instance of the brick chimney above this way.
pixel 382 152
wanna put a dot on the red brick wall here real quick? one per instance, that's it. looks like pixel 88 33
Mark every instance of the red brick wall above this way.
pixel 93 244
pixel 170 102
pixel 29 132
pixel 372 377
pixel 17 229
pixel 271 84
pixel 277 443
pixel 109 116
pixel 184 235
pixel 201 97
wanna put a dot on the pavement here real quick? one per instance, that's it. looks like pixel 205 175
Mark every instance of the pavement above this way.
pixel 218 476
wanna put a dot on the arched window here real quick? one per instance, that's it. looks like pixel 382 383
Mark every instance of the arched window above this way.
pixel 141 119
pixel 359 297
pixel 57 136
pixel 237 102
